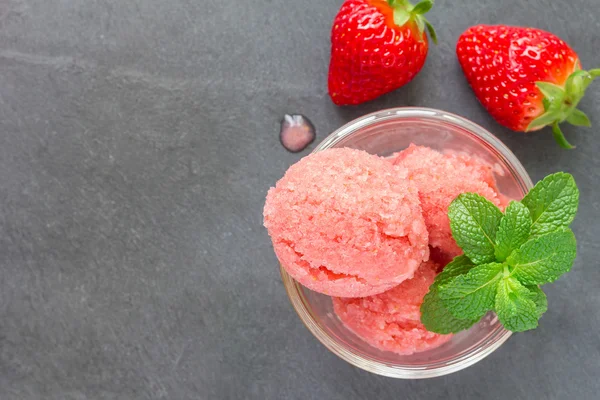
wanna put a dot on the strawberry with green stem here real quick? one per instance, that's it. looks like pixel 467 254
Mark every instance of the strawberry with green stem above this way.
pixel 526 78
pixel 377 46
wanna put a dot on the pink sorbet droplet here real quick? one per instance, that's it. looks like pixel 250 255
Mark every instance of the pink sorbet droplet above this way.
pixel 296 133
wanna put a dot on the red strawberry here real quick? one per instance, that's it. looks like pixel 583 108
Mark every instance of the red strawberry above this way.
pixel 526 78
pixel 376 47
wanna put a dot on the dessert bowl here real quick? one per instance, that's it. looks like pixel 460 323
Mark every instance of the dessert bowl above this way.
pixel 385 133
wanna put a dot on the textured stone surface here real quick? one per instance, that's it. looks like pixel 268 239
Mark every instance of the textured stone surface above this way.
pixel 138 141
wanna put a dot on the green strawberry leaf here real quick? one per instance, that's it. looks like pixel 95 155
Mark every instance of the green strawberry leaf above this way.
pixel 578 118
pixel 553 99
pixel 539 298
pixel 471 295
pixel 545 258
pixel 420 24
pixel 405 12
pixel 559 136
pixel 514 306
pixel 431 31
pixel 474 221
pixel 553 203
pixel 434 314
pixel 550 90
pixel 401 16
pixel 548 118
pixel 422 7
pixel 576 85
pixel 513 231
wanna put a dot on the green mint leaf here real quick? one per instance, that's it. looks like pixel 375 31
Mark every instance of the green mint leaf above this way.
pixel 471 295
pixel 436 317
pixel 434 314
pixel 474 221
pixel 514 306
pixel 545 258
pixel 539 298
pixel 513 231
pixel 553 203
pixel 459 266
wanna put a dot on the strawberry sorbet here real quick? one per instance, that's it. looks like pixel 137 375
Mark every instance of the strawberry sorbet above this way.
pixel 362 228
pixel 391 321
pixel 346 223
pixel 440 178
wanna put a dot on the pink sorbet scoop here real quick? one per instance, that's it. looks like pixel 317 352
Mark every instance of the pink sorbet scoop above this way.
pixel 391 321
pixel 346 223
pixel 440 178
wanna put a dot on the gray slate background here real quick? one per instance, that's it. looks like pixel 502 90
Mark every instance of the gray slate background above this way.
pixel 138 139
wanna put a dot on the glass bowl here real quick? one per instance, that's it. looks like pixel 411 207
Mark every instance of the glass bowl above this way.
pixel 385 133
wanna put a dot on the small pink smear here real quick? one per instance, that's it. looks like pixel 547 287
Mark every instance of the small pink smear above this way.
pixel 296 133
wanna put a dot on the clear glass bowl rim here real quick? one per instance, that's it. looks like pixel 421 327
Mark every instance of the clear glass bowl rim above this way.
pixel 495 339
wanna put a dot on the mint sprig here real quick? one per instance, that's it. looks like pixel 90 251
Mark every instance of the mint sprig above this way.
pixel 506 256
